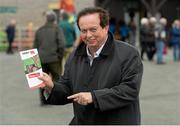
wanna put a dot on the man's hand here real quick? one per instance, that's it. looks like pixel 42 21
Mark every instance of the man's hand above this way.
pixel 47 81
pixel 83 98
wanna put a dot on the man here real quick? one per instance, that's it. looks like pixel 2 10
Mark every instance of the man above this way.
pixel 143 36
pixel 10 31
pixel 49 40
pixel 102 76
pixel 150 38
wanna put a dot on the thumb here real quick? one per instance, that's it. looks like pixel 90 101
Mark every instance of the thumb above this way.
pixel 43 76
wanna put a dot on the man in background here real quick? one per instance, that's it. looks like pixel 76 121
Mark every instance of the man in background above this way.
pixel 49 40
pixel 10 31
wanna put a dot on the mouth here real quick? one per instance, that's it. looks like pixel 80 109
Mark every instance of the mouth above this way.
pixel 91 41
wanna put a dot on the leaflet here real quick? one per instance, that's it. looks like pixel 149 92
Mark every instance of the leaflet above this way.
pixel 32 67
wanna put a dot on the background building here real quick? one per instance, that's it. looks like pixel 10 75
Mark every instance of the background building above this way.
pixel 29 15
pixel 144 8
pixel 25 11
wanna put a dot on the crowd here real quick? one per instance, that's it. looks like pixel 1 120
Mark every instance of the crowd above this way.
pixel 156 37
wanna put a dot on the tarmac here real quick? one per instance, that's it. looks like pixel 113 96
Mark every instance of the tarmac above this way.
pixel 20 105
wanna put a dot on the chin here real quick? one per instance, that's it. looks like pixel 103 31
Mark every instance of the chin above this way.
pixel 91 45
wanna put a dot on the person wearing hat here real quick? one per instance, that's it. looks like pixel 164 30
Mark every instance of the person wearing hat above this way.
pixel 49 40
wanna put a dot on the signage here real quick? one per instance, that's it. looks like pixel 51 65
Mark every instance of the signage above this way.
pixel 8 9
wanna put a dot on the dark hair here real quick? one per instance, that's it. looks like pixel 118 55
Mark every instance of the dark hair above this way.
pixel 103 15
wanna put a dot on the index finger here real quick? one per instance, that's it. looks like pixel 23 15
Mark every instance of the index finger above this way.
pixel 73 96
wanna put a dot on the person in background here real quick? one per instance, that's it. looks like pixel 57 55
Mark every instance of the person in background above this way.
pixel 29 31
pixel 49 40
pixel 144 36
pixel 69 33
pixel 102 76
pixel 123 31
pixel 132 33
pixel 11 32
pixel 150 38
pixel 175 40
pixel 112 25
pixel 160 40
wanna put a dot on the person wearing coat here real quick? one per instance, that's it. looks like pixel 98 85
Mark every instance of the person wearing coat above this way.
pixel 175 40
pixel 49 40
pixel 144 36
pixel 102 76
pixel 11 33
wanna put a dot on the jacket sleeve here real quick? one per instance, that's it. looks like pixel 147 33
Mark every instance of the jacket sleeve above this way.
pixel 59 94
pixel 126 92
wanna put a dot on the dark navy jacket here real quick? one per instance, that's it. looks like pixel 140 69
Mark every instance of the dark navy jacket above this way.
pixel 114 80
pixel 10 30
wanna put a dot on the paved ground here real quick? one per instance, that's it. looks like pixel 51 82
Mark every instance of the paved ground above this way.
pixel 160 96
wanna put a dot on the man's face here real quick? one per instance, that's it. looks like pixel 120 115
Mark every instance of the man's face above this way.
pixel 91 31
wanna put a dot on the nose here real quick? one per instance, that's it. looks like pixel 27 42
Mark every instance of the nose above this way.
pixel 88 34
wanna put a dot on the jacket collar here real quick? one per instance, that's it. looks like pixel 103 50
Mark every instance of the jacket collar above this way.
pixel 47 24
pixel 107 49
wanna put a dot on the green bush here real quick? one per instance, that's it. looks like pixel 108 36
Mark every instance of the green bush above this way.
pixel 3 41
